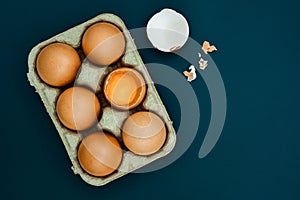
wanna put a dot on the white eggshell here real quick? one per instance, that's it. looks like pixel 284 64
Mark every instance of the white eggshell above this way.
pixel 168 30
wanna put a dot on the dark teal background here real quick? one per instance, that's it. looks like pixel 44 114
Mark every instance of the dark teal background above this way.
pixel 258 154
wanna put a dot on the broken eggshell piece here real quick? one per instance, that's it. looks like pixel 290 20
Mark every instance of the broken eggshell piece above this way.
pixel 168 30
pixel 190 75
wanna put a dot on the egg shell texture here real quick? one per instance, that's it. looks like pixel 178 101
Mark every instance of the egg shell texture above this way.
pixel 57 64
pixel 103 43
pixel 78 108
pixel 99 154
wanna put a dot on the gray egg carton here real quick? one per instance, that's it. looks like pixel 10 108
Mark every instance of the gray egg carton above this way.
pixel 111 119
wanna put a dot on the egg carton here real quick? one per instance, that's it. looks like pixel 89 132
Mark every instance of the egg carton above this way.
pixel 111 119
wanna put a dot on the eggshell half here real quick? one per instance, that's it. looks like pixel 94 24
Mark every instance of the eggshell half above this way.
pixel 168 30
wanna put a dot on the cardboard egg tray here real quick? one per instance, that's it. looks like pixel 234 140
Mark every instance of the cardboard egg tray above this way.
pixel 110 119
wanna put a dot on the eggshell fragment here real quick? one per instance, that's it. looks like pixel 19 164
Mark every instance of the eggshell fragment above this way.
pixel 103 43
pixel 168 30
pixel 78 108
pixel 191 75
pixel 124 88
pixel 144 133
pixel 57 64
pixel 99 154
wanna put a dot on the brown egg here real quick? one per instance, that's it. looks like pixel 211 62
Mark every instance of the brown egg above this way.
pixel 99 154
pixel 124 88
pixel 57 64
pixel 78 108
pixel 144 133
pixel 103 43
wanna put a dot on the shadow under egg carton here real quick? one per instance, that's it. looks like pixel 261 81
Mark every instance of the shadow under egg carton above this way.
pixel 110 119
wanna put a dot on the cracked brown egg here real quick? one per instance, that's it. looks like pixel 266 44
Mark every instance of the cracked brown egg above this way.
pixel 124 88
pixel 103 43
pixel 144 133
pixel 99 154
pixel 57 64
pixel 78 108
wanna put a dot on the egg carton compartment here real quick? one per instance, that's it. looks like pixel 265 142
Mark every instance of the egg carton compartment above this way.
pixel 110 119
